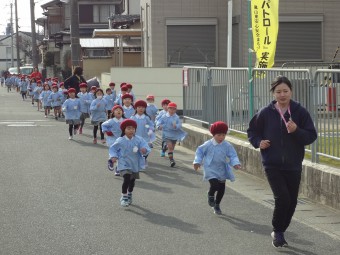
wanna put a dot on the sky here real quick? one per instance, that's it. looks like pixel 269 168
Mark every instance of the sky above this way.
pixel 24 14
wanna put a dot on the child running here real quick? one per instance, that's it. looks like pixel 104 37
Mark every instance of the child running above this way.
pixel 98 115
pixel 71 108
pixel 123 91
pixel 110 101
pixel 151 109
pixel 129 150
pixel 112 129
pixel 23 87
pixel 112 86
pixel 85 102
pixel 44 99
pixel 127 105
pixel 55 98
pixel 171 127
pixel 145 127
pixel 164 104
pixel 218 155
pixel 36 93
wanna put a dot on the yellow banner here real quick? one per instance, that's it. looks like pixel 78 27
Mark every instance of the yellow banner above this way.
pixel 265 26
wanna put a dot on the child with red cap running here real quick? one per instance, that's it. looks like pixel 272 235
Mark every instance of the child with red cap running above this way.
pixel 71 108
pixel 151 109
pixel 164 104
pixel 218 156
pixel 171 126
pixel 112 130
pixel 129 150
pixel 127 105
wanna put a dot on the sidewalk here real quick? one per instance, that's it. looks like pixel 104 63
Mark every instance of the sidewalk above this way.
pixel 319 217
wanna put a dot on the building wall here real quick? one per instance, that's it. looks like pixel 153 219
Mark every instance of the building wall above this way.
pixel 158 10
pixel 154 18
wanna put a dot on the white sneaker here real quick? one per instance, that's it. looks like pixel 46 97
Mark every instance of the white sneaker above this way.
pixel 70 137
pixel 45 116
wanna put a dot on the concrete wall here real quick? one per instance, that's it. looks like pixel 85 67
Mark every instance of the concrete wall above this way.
pixel 160 82
pixel 319 183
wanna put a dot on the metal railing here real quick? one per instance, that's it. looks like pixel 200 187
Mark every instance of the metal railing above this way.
pixel 224 94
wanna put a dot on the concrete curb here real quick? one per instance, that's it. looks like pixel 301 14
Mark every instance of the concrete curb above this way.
pixel 319 183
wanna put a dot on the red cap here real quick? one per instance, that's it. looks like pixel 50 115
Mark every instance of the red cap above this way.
pixel 71 90
pixel 65 92
pixel 112 84
pixel 127 96
pixel 128 123
pixel 122 84
pixel 124 88
pixel 54 86
pixel 172 105
pixel 117 107
pixel 61 84
pixel 140 103
pixel 39 81
pixel 150 97
pixel 129 86
pixel 83 85
pixel 93 88
pixel 165 101
pixel 219 127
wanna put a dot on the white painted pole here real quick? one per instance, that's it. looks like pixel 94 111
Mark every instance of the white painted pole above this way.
pixel 230 32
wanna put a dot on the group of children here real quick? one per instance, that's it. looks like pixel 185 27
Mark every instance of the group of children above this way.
pixel 128 128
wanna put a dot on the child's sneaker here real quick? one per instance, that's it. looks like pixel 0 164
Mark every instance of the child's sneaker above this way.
pixel 124 201
pixel 162 154
pixel 117 173
pixel 45 116
pixel 103 141
pixel 278 239
pixel 110 165
pixel 217 209
pixel 80 131
pixel 129 198
pixel 95 141
pixel 56 118
pixel 211 200
pixel 70 137
pixel 172 163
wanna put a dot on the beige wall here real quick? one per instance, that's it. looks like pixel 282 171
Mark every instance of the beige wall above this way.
pixel 94 67
pixel 160 82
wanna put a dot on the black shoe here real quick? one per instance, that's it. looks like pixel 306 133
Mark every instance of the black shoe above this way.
pixel 217 209
pixel 278 239
pixel 172 163
pixel 110 165
pixel 56 118
pixel 211 201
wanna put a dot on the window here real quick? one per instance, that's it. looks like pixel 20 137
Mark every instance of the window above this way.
pixel 97 53
pixel 89 14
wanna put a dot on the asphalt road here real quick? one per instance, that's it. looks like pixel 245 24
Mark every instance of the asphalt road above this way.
pixel 57 197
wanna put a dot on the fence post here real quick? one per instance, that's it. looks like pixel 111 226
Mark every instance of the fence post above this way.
pixel 314 106
pixel 209 96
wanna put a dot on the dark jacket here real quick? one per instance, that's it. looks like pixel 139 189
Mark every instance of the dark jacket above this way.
pixel 73 82
pixel 287 150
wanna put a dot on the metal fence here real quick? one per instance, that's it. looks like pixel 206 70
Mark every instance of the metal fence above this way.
pixel 226 94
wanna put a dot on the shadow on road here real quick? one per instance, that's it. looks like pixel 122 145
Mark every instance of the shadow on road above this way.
pixel 167 221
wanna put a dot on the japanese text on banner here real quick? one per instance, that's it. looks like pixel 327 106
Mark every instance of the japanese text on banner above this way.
pixel 265 26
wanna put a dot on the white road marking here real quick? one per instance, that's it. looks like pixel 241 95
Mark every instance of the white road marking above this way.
pixel 21 125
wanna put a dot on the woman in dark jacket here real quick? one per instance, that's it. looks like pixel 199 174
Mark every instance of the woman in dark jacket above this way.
pixel 282 130
pixel 75 79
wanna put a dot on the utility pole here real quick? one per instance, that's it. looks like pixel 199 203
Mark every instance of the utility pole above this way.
pixel 75 43
pixel 34 37
pixel 17 35
pixel 12 61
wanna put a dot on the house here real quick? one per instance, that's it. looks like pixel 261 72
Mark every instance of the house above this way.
pixel 25 42
pixel 92 15
pixel 194 32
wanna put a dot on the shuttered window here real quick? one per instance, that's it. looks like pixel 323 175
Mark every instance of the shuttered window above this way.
pixel 191 45
pixel 299 41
